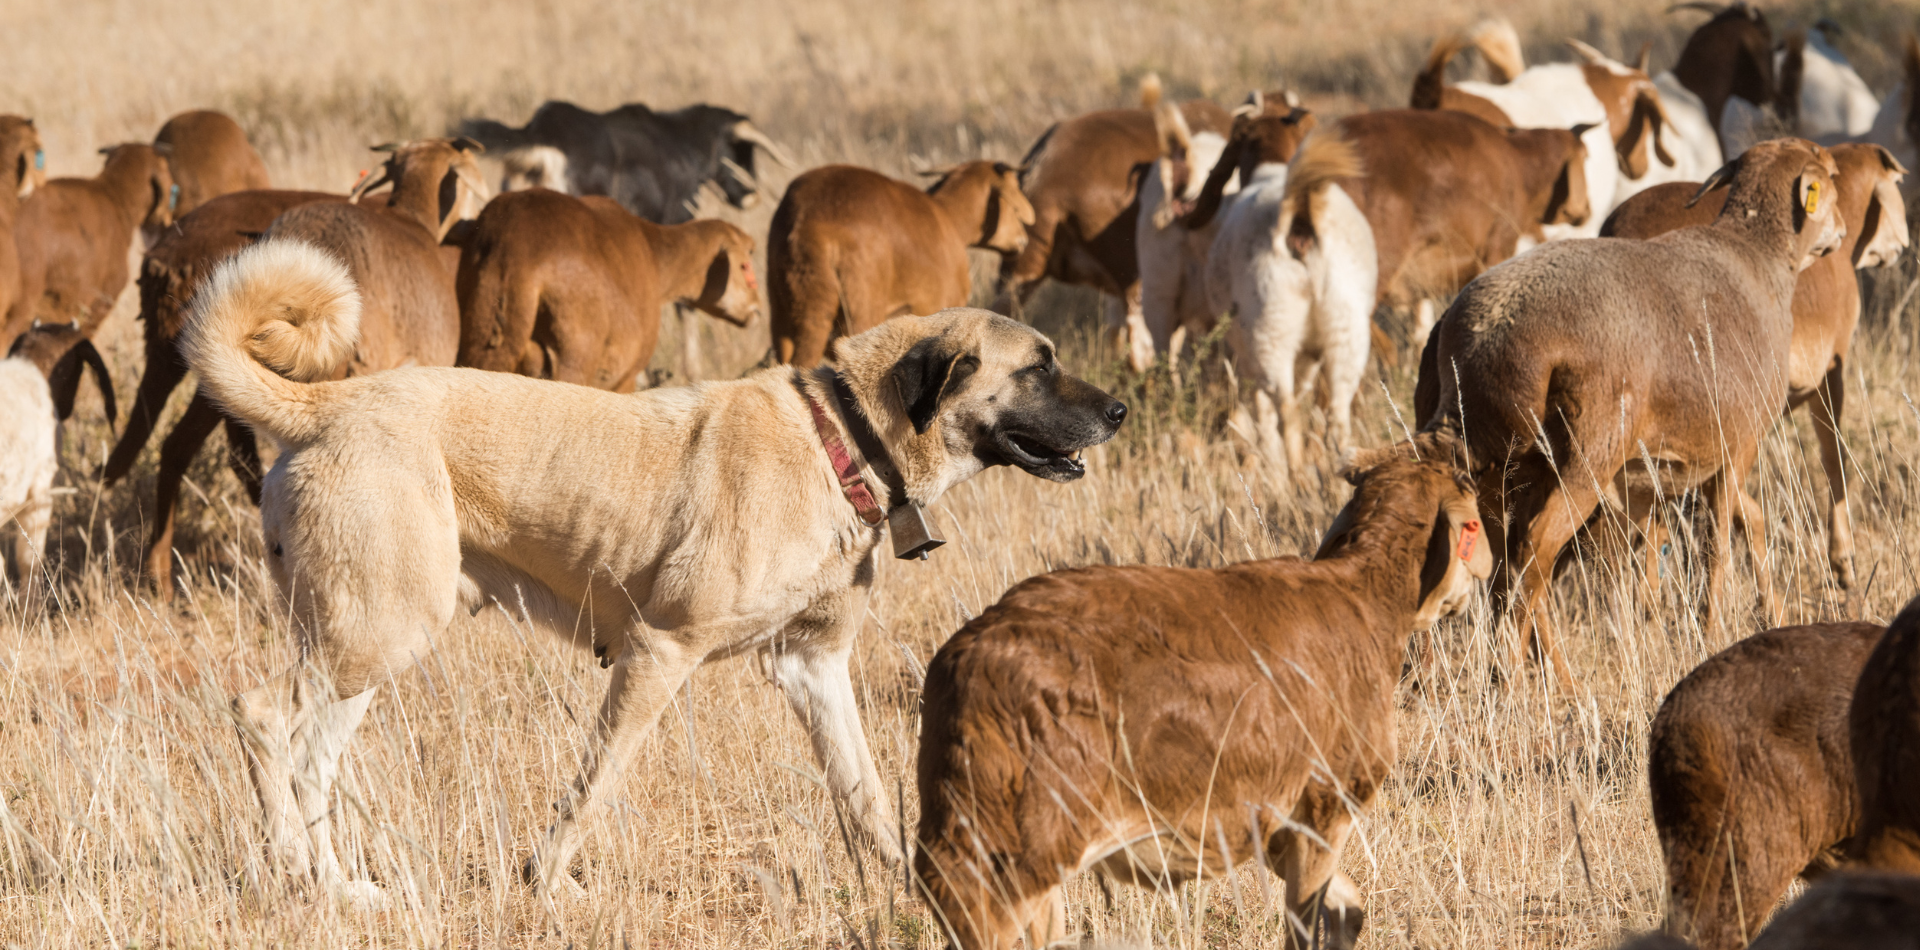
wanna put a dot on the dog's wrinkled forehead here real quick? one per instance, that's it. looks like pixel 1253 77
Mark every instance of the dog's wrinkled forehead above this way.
pixel 1000 343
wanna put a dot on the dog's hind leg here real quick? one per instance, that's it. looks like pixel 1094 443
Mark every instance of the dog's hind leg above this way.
pixel 813 674
pixel 645 679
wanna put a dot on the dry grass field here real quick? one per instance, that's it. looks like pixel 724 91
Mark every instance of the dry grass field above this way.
pixel 1519 816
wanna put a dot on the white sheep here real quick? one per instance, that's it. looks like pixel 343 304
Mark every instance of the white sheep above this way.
pixel 1294 263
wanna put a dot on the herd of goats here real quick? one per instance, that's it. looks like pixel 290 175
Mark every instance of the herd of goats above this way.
pixel 1634 277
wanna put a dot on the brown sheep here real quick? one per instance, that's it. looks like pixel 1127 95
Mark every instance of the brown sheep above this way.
pixel 1572 368
pixel 21 161
pixel 1159 724
pixel 1826 299
pixel 849 248
pixel 209 156
pixel 1884 729
pixel 73 236
pixel 1751 778
pixel 1082 178
pixel 566 288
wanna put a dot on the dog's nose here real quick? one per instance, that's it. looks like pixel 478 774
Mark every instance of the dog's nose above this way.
pixel 1117 412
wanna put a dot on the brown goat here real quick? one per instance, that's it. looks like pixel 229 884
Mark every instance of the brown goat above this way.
pixel 1572 369
pixel 1447 194
pixel 73 236
pixel 1751 778
pixel 566 288
pixel 409 313
pixel 21 173
pixel 1160 724
pixel 209 156
pixel 1729 55
pixel 1884 730
pixel 174 270
pixel 1082 178
pixel 849 248
pixel 1826 298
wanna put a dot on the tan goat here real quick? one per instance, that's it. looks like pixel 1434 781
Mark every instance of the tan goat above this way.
pixel 1826 299
pixel 209 156
pixel 849 248
pixel 1161 724
pixel 565 288
pixel 1751 780
pixel 1572 368
pixel 73 236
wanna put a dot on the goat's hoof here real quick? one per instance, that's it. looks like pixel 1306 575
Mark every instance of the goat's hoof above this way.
pixel 361 895
pixel 561 886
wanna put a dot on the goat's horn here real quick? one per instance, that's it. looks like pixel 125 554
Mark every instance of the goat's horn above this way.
pixel 385 147
pixel 464 144
pixel 745 132
pixel 739 172
pixel 367 183
pixel 1710 9
pixel 1588 53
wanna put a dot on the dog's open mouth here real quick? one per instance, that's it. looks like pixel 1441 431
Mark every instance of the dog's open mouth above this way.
pixel 1041 459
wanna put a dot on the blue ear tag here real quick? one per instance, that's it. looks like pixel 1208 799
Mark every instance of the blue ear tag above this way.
pixel 39 160
pixel 173 197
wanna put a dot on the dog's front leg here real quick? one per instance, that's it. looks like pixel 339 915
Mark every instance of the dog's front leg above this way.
pixel 644 680
pixel 813 674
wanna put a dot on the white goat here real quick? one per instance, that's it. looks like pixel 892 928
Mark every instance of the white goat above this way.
pixel 27 462
pixel 1172 256
pixel 1294 263
pixel 1834 100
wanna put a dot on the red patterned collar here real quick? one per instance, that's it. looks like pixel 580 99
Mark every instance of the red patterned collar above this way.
pixel 852 483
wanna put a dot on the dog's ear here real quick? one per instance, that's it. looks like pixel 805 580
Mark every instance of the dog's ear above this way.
pixel 932 370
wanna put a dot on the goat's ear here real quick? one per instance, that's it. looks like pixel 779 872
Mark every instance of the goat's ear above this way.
pixel 1337 532
pixel 930 371
pixel 1456 554
pixel 1883 230
pixel 1719 179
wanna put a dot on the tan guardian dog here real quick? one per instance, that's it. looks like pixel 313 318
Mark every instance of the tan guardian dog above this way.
pixel 402 496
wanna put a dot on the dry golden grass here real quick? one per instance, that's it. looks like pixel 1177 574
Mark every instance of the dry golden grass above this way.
pixel 1518 818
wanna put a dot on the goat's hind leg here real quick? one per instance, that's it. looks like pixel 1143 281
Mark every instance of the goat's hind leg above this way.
pixel 1317 892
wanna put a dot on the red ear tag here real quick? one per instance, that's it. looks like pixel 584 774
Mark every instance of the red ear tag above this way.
pixel 1469 539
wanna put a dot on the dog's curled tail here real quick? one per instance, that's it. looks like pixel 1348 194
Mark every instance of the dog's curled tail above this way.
pixel 273 319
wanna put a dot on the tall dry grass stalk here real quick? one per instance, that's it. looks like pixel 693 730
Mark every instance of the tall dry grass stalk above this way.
pixel 1518 817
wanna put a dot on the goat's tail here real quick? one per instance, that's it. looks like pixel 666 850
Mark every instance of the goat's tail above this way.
pixel 1325 157
pixel 271 320
pixel 1498 44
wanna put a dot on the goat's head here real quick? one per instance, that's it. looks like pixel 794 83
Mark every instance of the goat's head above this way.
pixel 1008 213
pixel 739 178
pixel 1270 136
pixel 731 292
pixel 1636 118
pixel 22 160
pixel 1418 486
pixel 437 179
pixel 1870 195
pixel 145 179
pixel 1568 202
pixel 1785 181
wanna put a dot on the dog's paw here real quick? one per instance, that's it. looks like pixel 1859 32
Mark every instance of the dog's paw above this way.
pixel 361 895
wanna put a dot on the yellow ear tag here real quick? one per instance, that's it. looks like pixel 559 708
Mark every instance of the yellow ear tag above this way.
pixel 1813 198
